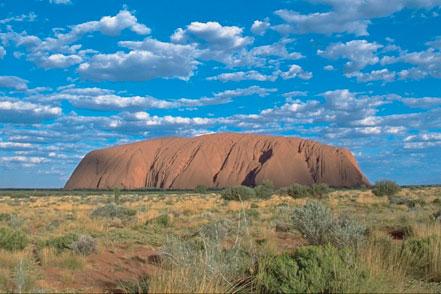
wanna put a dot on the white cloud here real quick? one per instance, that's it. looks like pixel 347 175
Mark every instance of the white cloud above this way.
pixel 2 52
pixel 26 112
pixel 59 52
pixel 251 75
pixel 212 35
pixel 359 53
pixel 13 82
pixel 215 41
pixel 345 16
pixel 259 27
pixel 30 17
pixel 22 159
pixel 65 2
pixel 14 145
pixel 110 25
pixel 102 99
pixel 422 102
pixel 328 67
pixel 151 59
pixel 296 71
pixel 375 75
pixel 60 61
pixel 425 63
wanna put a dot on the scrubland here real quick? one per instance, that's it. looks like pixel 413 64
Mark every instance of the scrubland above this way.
pixel 308 241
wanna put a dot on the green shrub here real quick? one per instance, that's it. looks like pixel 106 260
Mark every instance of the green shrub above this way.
pixel 320 190
pixel 112 210
pixel 315 190
pixel 201 189
pixel 62 242
pixel 298 191
pixel 385 188
pixel 317 224
pixel 264 190
pixel 11 239
pixel 117 195
pixel 139 286
pixel 312 269
pixel 238 193
pixel 422 257
pixel 162 220
pixel 85 245
pixel 437 216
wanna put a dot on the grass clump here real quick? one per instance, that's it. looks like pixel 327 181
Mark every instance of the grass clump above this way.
pixel 317 224
pixel 422 258
pixel 312 269
pixel 385 188
pixel 12 240
pixel 201 189
pixel 63 242
pixel 85 245
pixel 238 193
pixel 162 220
pixel 140 286
pixel 264 190
pixel 300 191
pixel 112 210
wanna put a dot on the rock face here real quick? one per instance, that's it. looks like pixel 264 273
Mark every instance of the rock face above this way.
pixel 217 160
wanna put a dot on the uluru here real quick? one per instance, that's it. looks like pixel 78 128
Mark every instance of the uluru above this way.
pixel 217 161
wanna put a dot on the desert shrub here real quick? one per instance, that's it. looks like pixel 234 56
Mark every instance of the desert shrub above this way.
pixel 437 216
pixel 238 193
pixel 385 188
pixel 315 190
pixel 317 224
pixel 139 286
pixel 62 242
pixel 201 189
pixel 422 257
pixel 11 239
pixel 319 190
pixel 112 210
pixel 312 269
pixel 264 190
pixel 5 217
pixel 298 191
pixel 23 277
pixel 117 195
pixel 161 220
pixel 85 245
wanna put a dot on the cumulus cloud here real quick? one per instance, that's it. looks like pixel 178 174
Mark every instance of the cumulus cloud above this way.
pixel 425 63
pixel 150 59
pixel 259 27
pixel 109 25
pixel 25 112
pixel 423 140
pixel 345 16
pixel 13 82
pixel 296 71
pixel 215 41
pixel 251 75
pixel 359 53
pixel 30 17
pixel 61 51
pixel 212 35
pixel 2 52
pixel 375 75
pixel 60 61
pixel 65 2
pixel 103 99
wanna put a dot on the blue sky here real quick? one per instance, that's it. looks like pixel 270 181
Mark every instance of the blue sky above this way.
pixel 79 75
